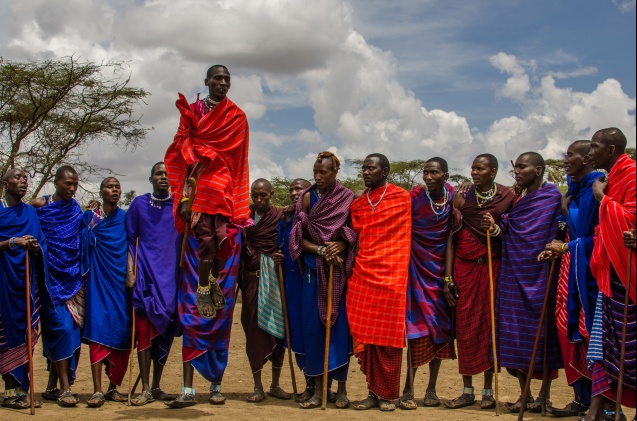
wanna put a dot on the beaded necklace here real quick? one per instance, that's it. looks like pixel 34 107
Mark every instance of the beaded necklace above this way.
pixel 156 202
pixel 483 198
pixel 379 200
pixel 435 205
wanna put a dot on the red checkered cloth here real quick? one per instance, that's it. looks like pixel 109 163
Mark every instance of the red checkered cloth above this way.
pixel 423 350
pixel 381 365
pixel 116 360
pixel 376 292
pixel 219 142
pixel 604 386
pixel 616 215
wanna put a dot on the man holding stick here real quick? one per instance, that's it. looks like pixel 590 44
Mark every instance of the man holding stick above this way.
pixel 322 236
pixel 610 266
pixel 20 234
pixel 377 290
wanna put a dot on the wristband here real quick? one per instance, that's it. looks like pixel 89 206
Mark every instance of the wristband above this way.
pixel 183 199
pixel 564 248
pixel 448 279
pixel 11 243
pixel 319 250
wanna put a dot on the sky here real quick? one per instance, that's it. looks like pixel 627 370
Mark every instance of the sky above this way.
pixel 411 79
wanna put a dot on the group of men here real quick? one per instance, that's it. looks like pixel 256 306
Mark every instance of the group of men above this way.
pixel 379 269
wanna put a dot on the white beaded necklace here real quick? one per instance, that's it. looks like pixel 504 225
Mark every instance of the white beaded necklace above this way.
pixel 379 200
pixel 435 205
pixel 155 202
pixel 487 196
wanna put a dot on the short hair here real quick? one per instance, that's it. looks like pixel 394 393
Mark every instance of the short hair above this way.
pixel 441 161
pixel 336 163
pixel 493 161
pixel 384 162
pixel 105 180
pixel 259 181
pixel 62 171
pixel 152 170
pixel 536 159
pixel 9 173
pixel 613 136
pixel 301 180
pixel 215 66
pixel 581 146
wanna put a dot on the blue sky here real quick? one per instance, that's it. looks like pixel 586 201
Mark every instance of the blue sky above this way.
pixel 412 79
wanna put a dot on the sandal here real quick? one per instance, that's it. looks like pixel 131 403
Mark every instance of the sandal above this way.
pixel 183 401
pixel 216 398
pixel 610 415
pixel 67 400
pixel 306 395
pixel 515 407
pixel 313 402
pixel 368 403
pixel 218 300
pixel 204 302
pixel 488 401
pixel 385 405
pixel 96 400
pixel 431 399
pixel 257 396
pixel 142 399
pixel 536 405
pixel 466 399
pixel 341 401
pixel 406 401
pixel 51 394
pixel 279 393
pixel 160 395
pixel 572 409
pixel 14 402
pixel 114 396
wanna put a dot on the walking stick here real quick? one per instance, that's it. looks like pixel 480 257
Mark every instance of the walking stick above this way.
pixel 286 321
pixel 453 333
pixel 132 340
pixel 545 367
pixel 525 392
pixel 27 279
pixel 191 198
pixel 328 327
pixel 494 347
pixel 622 354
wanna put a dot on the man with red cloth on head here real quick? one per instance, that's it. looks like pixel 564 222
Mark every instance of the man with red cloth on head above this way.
pixel 609 267
pixel 211 146
pixel 377 289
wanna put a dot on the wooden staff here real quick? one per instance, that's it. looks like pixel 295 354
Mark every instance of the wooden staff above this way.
pixel 191 198
pixel 328 327
pixel 545 366
pixel 622 354
pixel 286 321
pixel 529 374
pixel 27 278
pixel 494 347
pixel 453 333
pixel 132 340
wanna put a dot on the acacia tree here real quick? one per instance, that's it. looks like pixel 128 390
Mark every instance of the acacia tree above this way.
pixel 52 110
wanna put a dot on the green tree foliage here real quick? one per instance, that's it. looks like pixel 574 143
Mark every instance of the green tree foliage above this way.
pixel 52 110
pixel 129 196
pixel 631 153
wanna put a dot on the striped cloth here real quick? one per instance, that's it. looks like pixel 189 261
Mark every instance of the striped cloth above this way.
pixel 218 141
pixel 375 297
pixel 616 215
pixel 381 365
pixel 595 350
pixel 270 313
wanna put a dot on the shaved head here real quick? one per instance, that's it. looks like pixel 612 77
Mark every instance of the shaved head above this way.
pixel 301 181
pixel 612 136
pixel 261 182
pixel 9 174
pixel 581 146
pixel 535 159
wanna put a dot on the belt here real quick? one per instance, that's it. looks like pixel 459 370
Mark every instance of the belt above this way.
pixel 480 261
pixel 256 273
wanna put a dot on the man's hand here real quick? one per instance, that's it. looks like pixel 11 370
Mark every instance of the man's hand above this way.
pixel 487 222
pixel 464 187
pixel 599 186
pixel 333 260
pixel 552 251
pixel 278 258
pixel 629 238
pixel 93 204
pixel 184 213
pixel 334 248
pixel 451 293
pixel 27 242
pixel 288 210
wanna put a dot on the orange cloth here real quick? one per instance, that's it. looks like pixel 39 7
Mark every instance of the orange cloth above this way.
pixel 377 290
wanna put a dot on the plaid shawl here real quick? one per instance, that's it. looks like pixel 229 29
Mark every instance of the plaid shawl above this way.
pixel 428 312
pixel 219 140
pixel 616 215
pixel 376 291
pixel 61 226
pixel 328 220
pixel 531 224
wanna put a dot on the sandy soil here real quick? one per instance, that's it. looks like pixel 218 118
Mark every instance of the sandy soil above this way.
pixel 238 385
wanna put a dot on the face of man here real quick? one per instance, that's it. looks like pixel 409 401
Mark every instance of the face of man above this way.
pixel 434 177
pixel 324 174
pixel 374 175
pixel 111 191
pixel 482 174
pixel 601 153
pixel 16 184
pixel 218 83
pixel 295 190
pixel 575 162
pixel 66 186
pixel 159 179
pixel 261 194
pixel 525 172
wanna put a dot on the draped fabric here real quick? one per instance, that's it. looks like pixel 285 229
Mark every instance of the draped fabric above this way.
pixel 16 221
pixel 61 226
pixel 270 312
pixel 531 224
pixel 428 313
pixel 157 272
pixel 103 262
pixel 218 141
pixel 381 365
pixel 616 215
pixel 327 220
pixel 376 304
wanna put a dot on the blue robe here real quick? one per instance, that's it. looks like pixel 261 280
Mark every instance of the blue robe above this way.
pixel 16 221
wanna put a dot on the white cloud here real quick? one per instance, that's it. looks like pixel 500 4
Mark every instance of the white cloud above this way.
pixel 625 6
pixel 583 71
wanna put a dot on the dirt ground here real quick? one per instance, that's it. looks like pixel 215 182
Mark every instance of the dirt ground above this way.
pixel 237 386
